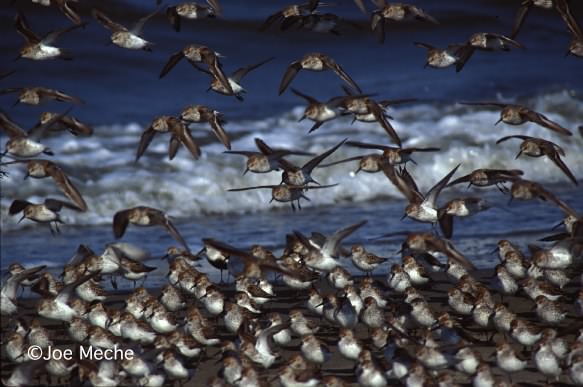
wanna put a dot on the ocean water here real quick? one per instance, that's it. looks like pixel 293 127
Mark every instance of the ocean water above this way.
pixel 122 94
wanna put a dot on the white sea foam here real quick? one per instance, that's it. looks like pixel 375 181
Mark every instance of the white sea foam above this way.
pixel 104 170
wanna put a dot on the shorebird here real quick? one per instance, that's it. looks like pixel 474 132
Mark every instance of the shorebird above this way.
pixel 289 15
pixel 267 159
pixel 65 122
pixel 201 113
pixel 461 207
pixel 192 11
pixel 37 95
pixel 284 193
pixel 538 147
pixel 8 298
pixel 485 41
pixel 364 260
pixel 526 190
pixel 320 112
pixel 441 58
pixel 393 155
pixel 561 6
pixel 488 177
pixel 46 212
pixel 57 307
pixel 38 169
pixel 23 143
pixel 180 134
pixel 322 255
pixel 315 62
pixel 426 242
pixel 122 36
pixel 396 12
pixel 36 48
pixel 194 54
pixel 145 216
pixel 367 163
pixel 422 208
pixel 299 176
pixel 513 114
pixel 234 80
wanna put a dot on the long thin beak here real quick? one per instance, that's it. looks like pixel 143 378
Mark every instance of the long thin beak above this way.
pixel 497 122
pixel 518 155
pixel 404 216
pixel 245 171
pixel 556 226
pixel 21 219
pixel 16 102
pixel 302 118
pixel 495 250
pixel 358 170
pixel 272 199
pixel 426 65
pixel 18 57
pixel 26 176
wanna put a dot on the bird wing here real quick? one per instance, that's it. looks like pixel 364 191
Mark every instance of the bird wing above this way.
pixel 106 21
pixel 65 185
pixel 243 71
pixel 139 26
pixel 183 134
pixel 404 182
pixel 520 16
pixel 331 63
pixel 431 196
pixel 219 131
pixel 172 61
pixel 145 141
pixel 10 127
pixel 367 145
pixel 290 73
pixel 120 222
pixel 331 243
pixel 514 136
pixel 52 36
pixel 310 165
pixel 23 29
pixel 542 120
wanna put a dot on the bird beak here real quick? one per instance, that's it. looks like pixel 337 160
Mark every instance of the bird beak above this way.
pixel 497 122
pixel 245 171
pixel 21 219
pixel 358 170
pixel 493 251
pixel 16 102
pixel 302 118
pixel 556 226
pixel 518 155
pixel 404 216
pixel 272 199
pixel 18 57
pixel 426 64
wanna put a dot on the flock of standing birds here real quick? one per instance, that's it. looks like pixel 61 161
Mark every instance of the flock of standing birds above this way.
pixel 391 331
